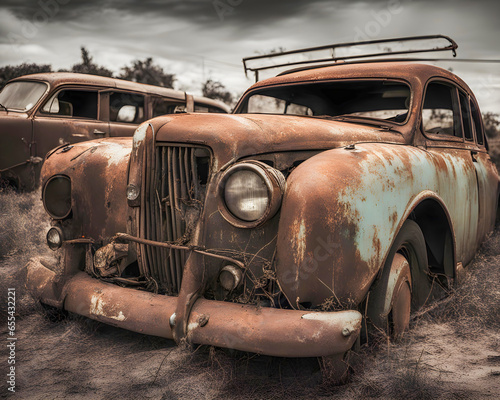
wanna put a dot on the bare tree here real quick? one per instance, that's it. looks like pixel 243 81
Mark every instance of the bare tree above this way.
pixel 216 90
pixel 87 66
pixel 148 72
pixel 13 71
pixel 491 125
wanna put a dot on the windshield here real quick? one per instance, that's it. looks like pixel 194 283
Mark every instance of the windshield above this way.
pixel 22 96
pixel 380 99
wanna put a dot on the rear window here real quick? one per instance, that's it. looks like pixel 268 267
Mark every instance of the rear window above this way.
pixel 202 108
pixel 476 117
pixel 126 107
pixel 440 113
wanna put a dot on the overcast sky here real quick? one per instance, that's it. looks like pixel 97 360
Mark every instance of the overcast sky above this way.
pixel 200 39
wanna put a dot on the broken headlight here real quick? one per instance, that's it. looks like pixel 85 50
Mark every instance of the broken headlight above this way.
pixel 57 196
pixel 251 193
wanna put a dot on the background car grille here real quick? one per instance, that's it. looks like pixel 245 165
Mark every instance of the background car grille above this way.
pixel 175 182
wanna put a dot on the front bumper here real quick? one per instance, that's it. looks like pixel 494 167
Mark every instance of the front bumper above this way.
pixel 269 331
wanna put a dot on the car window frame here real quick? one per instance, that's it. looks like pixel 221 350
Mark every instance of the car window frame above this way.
pixel 483 145
pixel 467 96
pixel 106 99
pixel 58 89
pixel 244 98
pixel 456 106
pixel 153 96
pixel 33 110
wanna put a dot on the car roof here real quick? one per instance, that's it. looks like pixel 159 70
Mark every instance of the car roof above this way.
pixel 409 71
pixel 58 78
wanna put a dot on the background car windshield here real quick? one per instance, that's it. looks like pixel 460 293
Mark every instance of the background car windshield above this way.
pixel 373 99
pixel 22 96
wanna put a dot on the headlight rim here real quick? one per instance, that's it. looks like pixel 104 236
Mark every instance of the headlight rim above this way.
pixel 61 236
pixel 44 196
pixel 275 183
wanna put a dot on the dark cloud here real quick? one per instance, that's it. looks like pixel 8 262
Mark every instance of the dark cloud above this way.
pixel 197 39
pixel 237 13
pixel 191 10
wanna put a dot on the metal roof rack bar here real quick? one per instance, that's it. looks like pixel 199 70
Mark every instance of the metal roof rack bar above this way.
pixel 406 59
pixel 452 46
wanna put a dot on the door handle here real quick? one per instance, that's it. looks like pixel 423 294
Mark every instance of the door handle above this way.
pixel 98 132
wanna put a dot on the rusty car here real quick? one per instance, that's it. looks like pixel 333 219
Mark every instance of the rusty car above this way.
pixel 39 112
pixel 335 199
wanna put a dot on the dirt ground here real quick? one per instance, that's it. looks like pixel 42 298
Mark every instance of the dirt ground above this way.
pixel 452 351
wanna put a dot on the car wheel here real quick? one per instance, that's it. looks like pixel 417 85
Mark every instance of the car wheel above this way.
pixel 404 284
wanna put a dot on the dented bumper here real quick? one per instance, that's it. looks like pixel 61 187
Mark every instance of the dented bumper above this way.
pixel 269 331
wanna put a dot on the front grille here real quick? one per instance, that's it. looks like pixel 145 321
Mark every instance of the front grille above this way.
pixel 175 180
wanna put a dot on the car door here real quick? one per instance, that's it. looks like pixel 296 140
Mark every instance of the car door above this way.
pixel 447 127
pixel 487 176
pixel 17 160
pixel 71 114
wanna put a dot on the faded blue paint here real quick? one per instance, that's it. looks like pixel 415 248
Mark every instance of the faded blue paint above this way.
pixel 360 198
pixel 391 176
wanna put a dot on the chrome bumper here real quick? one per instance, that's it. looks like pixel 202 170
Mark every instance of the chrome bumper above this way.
pixel 269 331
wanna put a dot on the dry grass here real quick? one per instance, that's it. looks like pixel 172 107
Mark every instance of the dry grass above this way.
pixel 452 351
pixel 494 151
pixel 24 224
pixel 474 305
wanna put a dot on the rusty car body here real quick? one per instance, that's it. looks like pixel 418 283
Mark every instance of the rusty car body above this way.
pixel 39 112
pixel 331 195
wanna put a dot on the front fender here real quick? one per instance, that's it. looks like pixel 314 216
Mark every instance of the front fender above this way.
pixel 98 173
pixel 341 213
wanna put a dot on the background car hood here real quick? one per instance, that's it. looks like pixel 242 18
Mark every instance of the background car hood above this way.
pixel 233 137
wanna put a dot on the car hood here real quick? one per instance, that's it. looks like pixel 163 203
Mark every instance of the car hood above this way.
pixel 232 137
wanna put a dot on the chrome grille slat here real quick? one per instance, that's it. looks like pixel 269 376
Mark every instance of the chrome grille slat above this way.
pixel 172 184
pixel 174 264
pixel 166 234
pixel 150 216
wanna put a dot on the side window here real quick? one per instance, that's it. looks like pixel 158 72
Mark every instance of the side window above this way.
pixel 207 109
pixel 466 119
pixel 163 106
pixel 73 103
pixel 440 114
pixel 476 119
pixel 126 107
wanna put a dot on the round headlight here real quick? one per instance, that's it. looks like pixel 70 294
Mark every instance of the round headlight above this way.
pixel 132 192
pixel 251 193
pixel 246 195
pixel 230 277
pixel 57 196
pixel 55 238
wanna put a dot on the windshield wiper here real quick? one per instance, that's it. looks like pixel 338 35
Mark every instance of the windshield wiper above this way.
pixel 2 106
pixel 354 119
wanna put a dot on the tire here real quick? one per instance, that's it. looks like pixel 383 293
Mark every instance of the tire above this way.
pixel 403 286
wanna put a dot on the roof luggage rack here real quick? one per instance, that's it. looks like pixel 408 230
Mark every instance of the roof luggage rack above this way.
pixel 359 58
pixel 451 45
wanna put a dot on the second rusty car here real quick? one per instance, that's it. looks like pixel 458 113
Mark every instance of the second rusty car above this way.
pixel 332 195
pixel 39 112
